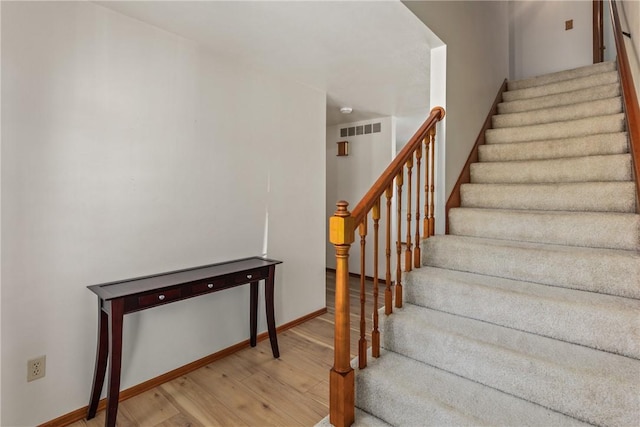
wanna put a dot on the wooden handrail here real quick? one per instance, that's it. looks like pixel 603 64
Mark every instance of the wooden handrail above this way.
pixel 629 97
pixel 342 227
pixel 387 177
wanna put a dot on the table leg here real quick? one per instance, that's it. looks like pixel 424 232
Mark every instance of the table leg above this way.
pixel 271 321
pixel 253 314
pixel 115 360
pixel 101 361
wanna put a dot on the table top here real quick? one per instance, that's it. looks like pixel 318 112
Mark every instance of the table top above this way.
pixel 123 288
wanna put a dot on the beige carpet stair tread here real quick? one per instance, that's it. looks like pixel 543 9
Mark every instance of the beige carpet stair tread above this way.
pixel 559 76
pixel 607 271
pixel 562 86
pixel 591 145
pixel 420 395
pixel 591 385
pixel 590 319
pixel 614 167
pixel 363 419
pixel 567 129
pixel 610 90
pixel 587 229
pixel 579 196
pixel 581 110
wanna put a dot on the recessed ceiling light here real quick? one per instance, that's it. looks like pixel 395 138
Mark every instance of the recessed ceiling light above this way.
pixel 346 110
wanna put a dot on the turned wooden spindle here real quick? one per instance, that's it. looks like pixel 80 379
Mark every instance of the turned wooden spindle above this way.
pixel 341 377
pixel 388 303
pixel 408 253
pixel 427 169
pixel 375 333
pixel 362 343
pixel 399 182
pixel 416 250
pixel 432 144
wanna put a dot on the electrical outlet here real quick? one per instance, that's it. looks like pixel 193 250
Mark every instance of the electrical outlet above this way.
pixel 568 25
pixel 36 368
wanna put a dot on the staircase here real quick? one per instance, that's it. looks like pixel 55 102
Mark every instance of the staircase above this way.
pixel 528 312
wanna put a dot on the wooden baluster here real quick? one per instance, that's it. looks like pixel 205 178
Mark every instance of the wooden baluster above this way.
pixel 416 250
pixel 408 258
pixel 432 144
pixel 388 303
pixel 362 344
pixel 399 179
pixel 427 169
pixel 341 377
pixel 375 334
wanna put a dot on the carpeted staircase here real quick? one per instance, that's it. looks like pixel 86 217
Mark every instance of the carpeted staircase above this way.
pixel 528 312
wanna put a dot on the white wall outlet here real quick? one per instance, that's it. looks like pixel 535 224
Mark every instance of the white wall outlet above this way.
pixel 36 368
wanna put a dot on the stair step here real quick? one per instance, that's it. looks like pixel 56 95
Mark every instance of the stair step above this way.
pixel 610 90
pixel 574 111
pixel 590 319
pixel 363 419
pixel 599 144
pixel 593 386
pixel 545 79
pixel 567 129
pixel 607 271
pixel 405 392
pixel 580 196
pixel 562 86
pixel 614 167
pixel 587 229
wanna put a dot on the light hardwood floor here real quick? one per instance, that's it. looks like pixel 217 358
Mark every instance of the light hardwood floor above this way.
pixel 250 387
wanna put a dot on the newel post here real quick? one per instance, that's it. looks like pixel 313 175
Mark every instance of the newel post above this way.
pixel 341 378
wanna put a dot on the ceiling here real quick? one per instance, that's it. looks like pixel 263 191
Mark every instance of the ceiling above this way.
pixel 371 56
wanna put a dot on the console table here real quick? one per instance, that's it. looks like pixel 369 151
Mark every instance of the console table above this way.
pixel 115 299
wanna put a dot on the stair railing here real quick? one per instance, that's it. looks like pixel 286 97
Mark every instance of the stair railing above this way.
pixel 629 97
pixel 342 228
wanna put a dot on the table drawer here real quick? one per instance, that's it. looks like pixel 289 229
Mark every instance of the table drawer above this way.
pixel 209 286
pixel 251 276
pixel 160 297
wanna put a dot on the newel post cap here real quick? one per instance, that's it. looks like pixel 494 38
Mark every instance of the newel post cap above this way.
pixel 341 228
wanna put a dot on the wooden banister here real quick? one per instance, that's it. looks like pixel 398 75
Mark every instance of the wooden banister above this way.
pixel 342 228
pixel 390 172
pixel 629 97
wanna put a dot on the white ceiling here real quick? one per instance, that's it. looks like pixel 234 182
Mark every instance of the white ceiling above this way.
pixel 371 56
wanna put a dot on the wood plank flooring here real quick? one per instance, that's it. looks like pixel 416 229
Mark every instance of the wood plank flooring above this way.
pixel 250 387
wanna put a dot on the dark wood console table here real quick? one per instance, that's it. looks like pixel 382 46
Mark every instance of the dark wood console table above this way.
pixel 116 299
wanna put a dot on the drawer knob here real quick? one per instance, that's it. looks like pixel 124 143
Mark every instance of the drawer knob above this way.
pixel 249 276
pixel 210 286
pixel 161 297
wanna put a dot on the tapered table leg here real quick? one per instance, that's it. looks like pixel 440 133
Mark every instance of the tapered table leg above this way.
pixel 269 305
pixel 115 359
pixel 253 314
pixel 101 361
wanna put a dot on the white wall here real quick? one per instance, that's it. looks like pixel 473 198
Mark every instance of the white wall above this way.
pixel 629 11
pixel 476 35
pixel 127 151
pixel 608 40
pixel 0 222
pixel 540 44
pixel 350 177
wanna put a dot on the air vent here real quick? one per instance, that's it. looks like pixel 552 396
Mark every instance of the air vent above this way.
pixel 361 130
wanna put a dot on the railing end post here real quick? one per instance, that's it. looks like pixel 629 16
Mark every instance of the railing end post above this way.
pixel 342 377
pixel 341 228
pixel 342 398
